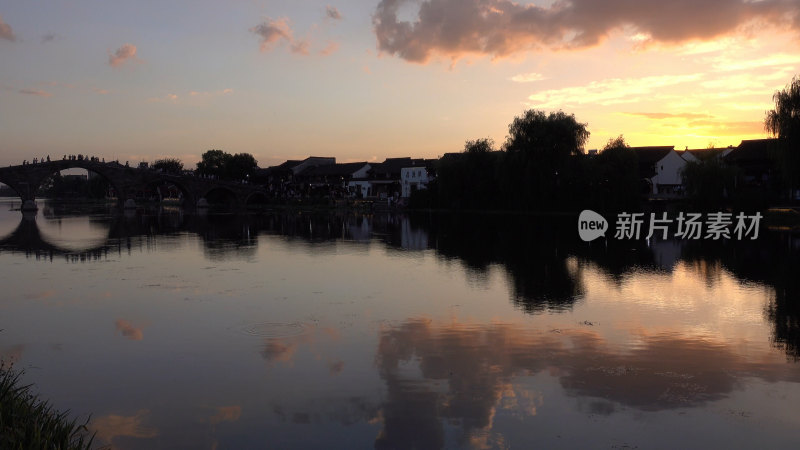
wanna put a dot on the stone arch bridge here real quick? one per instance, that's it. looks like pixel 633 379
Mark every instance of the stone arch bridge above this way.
pixel 128 182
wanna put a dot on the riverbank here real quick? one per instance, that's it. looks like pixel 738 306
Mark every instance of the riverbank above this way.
pixel 26 421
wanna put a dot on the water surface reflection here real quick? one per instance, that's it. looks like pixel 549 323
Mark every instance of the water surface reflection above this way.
pixel 392 331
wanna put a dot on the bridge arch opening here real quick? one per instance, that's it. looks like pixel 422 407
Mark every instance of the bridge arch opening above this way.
pixel 221 198
pixel 256 199
pixel 165 191
pixel 10 197
pixel 76 184
pixel 7 191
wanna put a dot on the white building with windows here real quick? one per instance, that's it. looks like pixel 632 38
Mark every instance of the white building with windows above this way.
pixel 413 179
pixel 661 167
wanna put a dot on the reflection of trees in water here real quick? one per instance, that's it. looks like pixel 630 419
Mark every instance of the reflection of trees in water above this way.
pixel 226 236
pixel 533 252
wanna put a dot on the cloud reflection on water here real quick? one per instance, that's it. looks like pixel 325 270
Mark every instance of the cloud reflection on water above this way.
pixel 129 330
pixel 112 426
pixel 440 373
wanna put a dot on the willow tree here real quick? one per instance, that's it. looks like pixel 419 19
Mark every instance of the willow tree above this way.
pixel 783 122
pixel 539 150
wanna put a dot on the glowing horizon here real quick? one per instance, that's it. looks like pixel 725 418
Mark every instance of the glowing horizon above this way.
pixel 371 79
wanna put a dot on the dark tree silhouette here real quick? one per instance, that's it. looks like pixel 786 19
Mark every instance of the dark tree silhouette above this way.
pixel 708 182
pixel 468 180
pixel 483 145
pixel 224 165
pixel 169 165
pixel 213 162
pixel 240 166
pixel 783 122
pixel 616 171
pixel 538 150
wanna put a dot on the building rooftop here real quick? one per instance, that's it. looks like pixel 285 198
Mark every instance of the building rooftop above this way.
pixel 652 154
pixel 341 169
pixel 752 150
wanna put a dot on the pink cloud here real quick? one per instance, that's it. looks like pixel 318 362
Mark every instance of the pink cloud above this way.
pixel 332 13
pixel 36 92
pixel 275 32
pixel 210 94
pixel 329 49
pixel 272 31
pixel 123 54
pixel 6 32
pixel 499 28
pixel 300 47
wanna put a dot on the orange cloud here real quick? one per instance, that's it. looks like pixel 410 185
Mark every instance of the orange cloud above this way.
pixel 608 91
pixel 128 330
pixel 6 32
pixel 527 77
pixel 657 115
pixel 499 28
pixel 732 128
pixel 123 54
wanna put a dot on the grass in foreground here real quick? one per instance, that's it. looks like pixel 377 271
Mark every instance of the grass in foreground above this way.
pixel 27 422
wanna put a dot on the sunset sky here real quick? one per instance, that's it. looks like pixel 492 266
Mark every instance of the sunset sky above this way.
pixel 370 79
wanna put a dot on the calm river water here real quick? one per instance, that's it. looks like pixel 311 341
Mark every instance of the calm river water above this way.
pixel 184 330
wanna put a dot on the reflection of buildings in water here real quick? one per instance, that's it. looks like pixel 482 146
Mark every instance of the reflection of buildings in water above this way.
pixel 412 238
pixel 359 229
pixel 794 241
pixel 666 253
